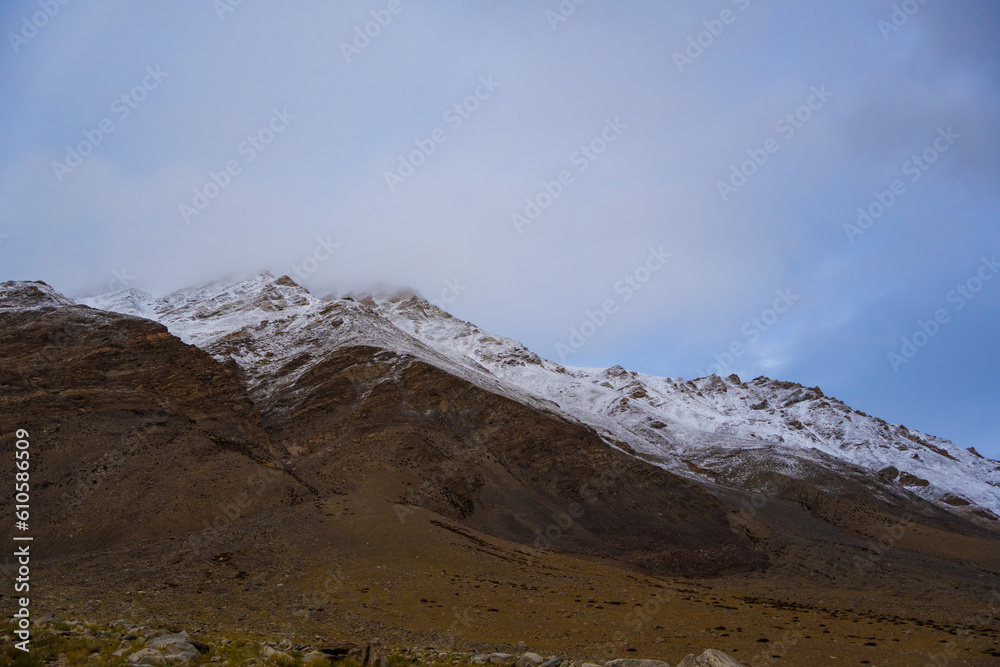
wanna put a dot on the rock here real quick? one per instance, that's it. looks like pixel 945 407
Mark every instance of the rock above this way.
pixel 42 620
pixel 315 657
pixel 552 662
pixel 480 659
pixel 529 660
pixel 500 658
pixel 633 662
pixel 889 474
pixel 336 649
pixel 186 655
pixel 589 664
pixel 176 648
pixel 200 646
pixel 147 656
pixel 906 479
pixel 164 639
pixel 269 653
pixel 370 655
pixel 710 658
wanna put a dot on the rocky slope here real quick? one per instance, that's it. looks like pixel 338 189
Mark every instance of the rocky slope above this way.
pixel 134 434
pixel 709 428
pixel 716 428
pixel 337 373
pixel 246 455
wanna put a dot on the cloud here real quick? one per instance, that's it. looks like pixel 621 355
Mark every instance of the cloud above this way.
pixel 324 176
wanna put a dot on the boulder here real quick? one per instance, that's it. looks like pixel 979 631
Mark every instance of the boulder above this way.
pixel 269 653
pixel 500 658
pixel 176 648
pixel 710 658
pixel 316 658
pixel 180 657
pixel 552 662
pixel 370 655
pixel 42 620
pixel 199 646
pixel 164 639
pixel 634 662
pixel 147 656
pixel 529 659
pixel 341 649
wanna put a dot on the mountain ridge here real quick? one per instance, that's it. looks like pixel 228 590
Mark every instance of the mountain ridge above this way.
pixel 246 455
pixel 685 426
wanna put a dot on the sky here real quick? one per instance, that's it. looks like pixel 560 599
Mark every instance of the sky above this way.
pixel 800 189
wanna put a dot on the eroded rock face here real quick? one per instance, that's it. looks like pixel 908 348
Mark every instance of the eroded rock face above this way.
pixel 906 479
pixel 500 466
pixel 141 435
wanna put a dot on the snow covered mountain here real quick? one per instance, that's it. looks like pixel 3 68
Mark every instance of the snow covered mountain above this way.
pixel 716 430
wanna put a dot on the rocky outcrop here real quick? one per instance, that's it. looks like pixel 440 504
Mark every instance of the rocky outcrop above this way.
pixel 504 468
pixel 633 662
pixel 710 658
pixel 143 436
pixel 370 655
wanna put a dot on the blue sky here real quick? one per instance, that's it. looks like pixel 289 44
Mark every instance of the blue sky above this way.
pixel 523 162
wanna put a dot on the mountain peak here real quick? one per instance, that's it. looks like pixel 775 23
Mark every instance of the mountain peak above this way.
pixel 277 331
pixel 30 295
